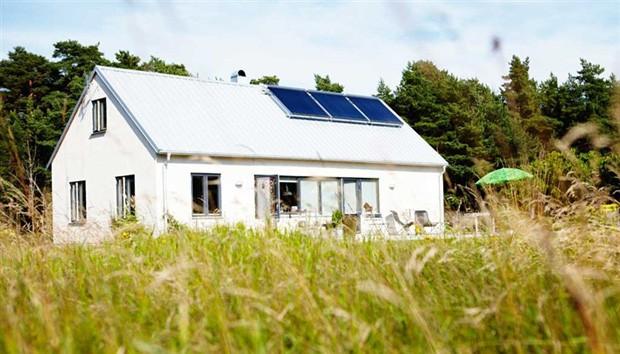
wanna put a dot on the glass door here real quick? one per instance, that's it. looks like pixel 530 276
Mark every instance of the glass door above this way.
pixel 350 197
pixel 266 198
pixel 351 200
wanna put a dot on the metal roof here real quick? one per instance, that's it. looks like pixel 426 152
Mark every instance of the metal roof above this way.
pixel 185 115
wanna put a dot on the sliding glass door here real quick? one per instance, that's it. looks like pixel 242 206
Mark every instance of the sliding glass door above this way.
pixel 266 196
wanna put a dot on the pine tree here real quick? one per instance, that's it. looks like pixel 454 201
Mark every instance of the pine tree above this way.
pixel 266 80
pixel 324 83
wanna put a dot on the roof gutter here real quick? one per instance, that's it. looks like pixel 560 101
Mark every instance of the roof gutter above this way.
pixel 285 158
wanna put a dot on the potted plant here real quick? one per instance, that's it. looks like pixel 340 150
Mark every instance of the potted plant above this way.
pixel 336 223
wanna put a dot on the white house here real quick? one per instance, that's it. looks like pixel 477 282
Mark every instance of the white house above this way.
pixel 205 152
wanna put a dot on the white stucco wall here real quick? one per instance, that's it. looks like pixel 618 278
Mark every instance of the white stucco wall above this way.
pixel 99 160
pixel 401 188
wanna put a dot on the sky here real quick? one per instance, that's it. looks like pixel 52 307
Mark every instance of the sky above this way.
pixel 356 43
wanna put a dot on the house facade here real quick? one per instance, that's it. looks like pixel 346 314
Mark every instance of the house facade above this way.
pixel 169 149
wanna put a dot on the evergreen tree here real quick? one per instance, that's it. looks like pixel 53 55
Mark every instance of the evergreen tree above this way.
pixel 587 97
pixel 384 92
pixel 126 60
pixel 324 83
pixel 532 129
pixel 266 80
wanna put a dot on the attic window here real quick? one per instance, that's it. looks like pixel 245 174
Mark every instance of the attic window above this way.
pixel 100 120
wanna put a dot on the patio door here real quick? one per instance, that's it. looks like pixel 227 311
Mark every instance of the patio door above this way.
pixel 266 198
pixel 351 199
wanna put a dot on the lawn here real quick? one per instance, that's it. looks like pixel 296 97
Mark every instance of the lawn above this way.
pixel 232 289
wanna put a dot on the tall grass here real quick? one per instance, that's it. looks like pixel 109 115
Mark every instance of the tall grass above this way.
pixel 232 289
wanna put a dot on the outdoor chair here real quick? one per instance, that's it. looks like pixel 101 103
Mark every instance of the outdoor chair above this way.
pixel 422 219
pixel 405 226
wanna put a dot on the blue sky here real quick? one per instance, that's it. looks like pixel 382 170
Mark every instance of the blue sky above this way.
pixel 356 43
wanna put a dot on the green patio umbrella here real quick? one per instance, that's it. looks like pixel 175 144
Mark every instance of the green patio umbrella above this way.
pixel 503 175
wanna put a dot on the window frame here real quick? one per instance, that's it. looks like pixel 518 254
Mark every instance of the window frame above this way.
pixel 121 203
pixel 99 120
pixel 77 212
pixel 205 194
pixel 340 192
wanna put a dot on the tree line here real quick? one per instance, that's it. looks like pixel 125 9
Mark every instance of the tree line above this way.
pixel 473 127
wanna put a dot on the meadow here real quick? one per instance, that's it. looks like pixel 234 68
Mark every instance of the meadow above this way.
pixel 538 285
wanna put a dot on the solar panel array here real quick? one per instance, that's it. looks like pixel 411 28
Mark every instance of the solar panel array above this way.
pixel 331 106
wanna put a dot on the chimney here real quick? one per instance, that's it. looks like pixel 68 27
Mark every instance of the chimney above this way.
pixel 239 77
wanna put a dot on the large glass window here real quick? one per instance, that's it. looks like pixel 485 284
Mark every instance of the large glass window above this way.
pixel 315 195
pixel 78 201
pixel 309 195
pixel 350 203
pixel 125 196
pixel 330 196
pixel 370 196
pixel 206 194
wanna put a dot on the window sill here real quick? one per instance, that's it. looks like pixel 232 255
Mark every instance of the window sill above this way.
pixel 301 216
pixel 206 216
pixel 77 223
pixel 97 133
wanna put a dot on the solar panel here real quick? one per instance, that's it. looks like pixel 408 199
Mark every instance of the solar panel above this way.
pixel 375 110
pixel 298 102
pixel 339 107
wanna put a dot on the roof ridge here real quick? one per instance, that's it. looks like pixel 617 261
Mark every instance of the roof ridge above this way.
pixel 172 76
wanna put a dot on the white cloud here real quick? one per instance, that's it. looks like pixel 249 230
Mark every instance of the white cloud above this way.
pixel 355 43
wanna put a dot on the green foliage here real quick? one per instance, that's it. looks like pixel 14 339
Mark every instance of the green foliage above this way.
pixel 234 289
pixel 266 80
pixel 461 119
pixel 384 92
pixel 337 217
pixel 477 130
pixel 160 66
pixel 126 60
pixel 324 83
pixel 41 95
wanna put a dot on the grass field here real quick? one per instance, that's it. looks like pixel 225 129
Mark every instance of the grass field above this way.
pixel 238 290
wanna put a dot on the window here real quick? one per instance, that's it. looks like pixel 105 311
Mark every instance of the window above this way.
pixel 370 196
pixel 350 196
pixel 125 196
pixel 206 194
pixel 78 202
pixel 361 196
pixel 330 196
pixel 316 195
pixel 99 116
pixel 289 195
pixel 309 195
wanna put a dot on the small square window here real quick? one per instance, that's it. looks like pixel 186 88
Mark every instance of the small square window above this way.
pixel 100 120
pixel 206 194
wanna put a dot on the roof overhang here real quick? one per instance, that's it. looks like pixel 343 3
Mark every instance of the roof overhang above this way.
pixel 208 156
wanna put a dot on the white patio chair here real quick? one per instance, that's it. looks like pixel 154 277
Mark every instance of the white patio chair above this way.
pixel 401 228
pixel 422 219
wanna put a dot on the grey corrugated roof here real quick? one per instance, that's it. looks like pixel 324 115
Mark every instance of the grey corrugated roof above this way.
pixel 193 116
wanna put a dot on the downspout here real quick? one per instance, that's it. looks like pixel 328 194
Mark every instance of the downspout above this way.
pixel 165 191
pixel 442 199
